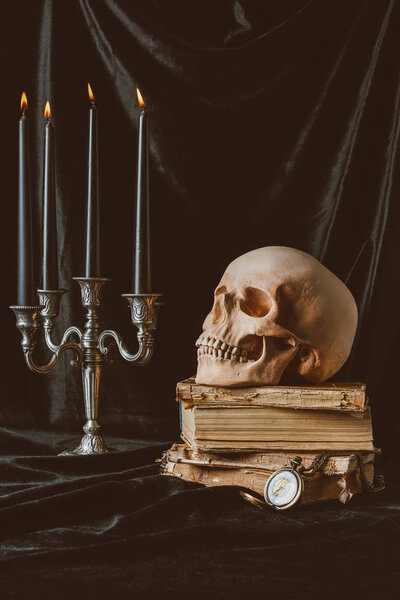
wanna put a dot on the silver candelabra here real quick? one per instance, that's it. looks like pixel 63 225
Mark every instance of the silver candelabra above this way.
pixel 91 346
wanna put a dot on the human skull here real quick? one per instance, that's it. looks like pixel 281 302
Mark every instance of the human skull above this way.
pixel 276 309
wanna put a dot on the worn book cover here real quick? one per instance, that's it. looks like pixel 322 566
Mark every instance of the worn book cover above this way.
pixel 350 397
pixel 268 461
pixel 319 487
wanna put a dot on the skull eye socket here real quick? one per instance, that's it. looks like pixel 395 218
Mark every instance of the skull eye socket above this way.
pixel 255 302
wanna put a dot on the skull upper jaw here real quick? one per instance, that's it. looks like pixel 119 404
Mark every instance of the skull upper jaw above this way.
pixel 230 373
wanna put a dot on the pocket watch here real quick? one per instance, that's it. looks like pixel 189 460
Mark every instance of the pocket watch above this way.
pixel 283 488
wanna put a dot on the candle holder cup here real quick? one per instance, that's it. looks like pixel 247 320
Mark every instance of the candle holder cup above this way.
pixel 92 352
pixel 27 323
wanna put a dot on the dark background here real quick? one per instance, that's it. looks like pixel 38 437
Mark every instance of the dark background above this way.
pixel 272 123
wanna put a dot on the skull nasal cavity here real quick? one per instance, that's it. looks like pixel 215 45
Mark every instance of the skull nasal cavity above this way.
pixel 255 302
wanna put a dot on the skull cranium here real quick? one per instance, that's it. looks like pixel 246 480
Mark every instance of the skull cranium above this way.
pixel 276 309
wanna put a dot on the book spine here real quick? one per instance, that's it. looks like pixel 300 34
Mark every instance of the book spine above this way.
pixel 180 415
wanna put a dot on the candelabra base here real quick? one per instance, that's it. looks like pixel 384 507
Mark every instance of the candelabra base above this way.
pixel 89 445
pixel 91 442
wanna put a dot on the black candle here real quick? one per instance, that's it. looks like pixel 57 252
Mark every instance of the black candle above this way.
pixel 50 260
pixel 141 272
pixel 92 253
pixel 25 283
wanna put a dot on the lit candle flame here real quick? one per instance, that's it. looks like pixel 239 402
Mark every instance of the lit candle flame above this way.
pixel 140 98
pixel 90 92
pixel 24 101
pixel 47 111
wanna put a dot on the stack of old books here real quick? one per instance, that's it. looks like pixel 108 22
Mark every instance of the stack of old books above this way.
pixel 240 436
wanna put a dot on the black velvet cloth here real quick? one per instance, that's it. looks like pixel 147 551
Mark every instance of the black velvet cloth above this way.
pixel 272 123
pixel 101 526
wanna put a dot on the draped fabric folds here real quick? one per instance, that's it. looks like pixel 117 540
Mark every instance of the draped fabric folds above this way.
pixel 271 123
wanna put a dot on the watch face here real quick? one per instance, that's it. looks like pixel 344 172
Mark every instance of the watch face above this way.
pixel 283 488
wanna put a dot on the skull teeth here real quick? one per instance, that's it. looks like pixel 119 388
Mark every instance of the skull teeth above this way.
pixel 218 349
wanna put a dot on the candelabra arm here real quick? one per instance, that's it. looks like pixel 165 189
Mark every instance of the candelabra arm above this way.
pixel 43 369
pixel 142 356
pixel 70 331
pixel 27 318
pixel 143 308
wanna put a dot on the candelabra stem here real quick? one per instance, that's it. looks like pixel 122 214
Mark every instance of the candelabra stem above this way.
pixel 92 366
pixel 91 376
pixel 91 442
